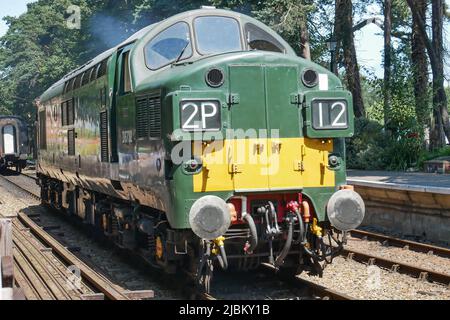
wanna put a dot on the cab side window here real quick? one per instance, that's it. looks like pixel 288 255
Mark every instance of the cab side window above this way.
pixel 259 39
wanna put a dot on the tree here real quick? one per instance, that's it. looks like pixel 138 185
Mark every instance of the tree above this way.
pixel 37 50
pixel 441 125
pixel 420 67
pixel 343 32
pixel 387 59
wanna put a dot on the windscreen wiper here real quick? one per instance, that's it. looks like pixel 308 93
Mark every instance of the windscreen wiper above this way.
pixel 182 52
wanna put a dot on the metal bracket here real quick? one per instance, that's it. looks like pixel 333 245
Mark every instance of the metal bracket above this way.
pixel 234 98
pixel 234 168
pixel 180 252
pixel 298 165
pixel 296 98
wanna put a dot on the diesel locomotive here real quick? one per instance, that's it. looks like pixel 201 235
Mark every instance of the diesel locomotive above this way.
pixel 14 146
pixel 203 140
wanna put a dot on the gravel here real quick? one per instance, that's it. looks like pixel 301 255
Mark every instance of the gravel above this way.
pixel 432 262
pixel 372 283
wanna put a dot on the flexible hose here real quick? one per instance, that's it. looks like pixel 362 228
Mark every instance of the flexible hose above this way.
pixel 274 216
pixel 222 257
pixel 253 232
pixel 287 246
pixel 301 227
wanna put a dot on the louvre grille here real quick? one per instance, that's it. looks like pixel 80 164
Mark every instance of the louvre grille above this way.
pixel 148 117
pixel 142 125
pixel 71 142
pixel 104 136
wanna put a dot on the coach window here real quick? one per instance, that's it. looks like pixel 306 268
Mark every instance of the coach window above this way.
pixel 93 74
pixel 77 83
pixel 217 35
pixel 71 84
pixel 168 46
pixel 66 86
pixel 85 80
pixel 259 39
pixel 102 69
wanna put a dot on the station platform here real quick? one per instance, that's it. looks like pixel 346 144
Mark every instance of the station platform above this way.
pixel 406 203
pixel 407 181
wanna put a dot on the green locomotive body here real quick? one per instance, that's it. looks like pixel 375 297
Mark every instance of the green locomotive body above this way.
pixel 204 125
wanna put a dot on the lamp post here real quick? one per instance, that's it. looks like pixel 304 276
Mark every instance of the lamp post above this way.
pixel 332 44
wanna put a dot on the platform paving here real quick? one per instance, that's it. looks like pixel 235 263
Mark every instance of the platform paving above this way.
pixel 409 181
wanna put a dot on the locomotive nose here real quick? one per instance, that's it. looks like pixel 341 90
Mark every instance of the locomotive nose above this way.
pixel 346 210
pixel 209 217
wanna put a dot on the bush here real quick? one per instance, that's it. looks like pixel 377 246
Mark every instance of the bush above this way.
pixel 374 149
pixel 427 155
pixel 364 150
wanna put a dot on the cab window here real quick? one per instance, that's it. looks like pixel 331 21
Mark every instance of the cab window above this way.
pixel 167 46
pixel 259 39
pixel 217 35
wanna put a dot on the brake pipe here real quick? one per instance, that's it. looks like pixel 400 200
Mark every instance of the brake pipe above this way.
pixel 221 254
pixel 287 246
pixel 253 232
pixel 222 257
pixel 251 224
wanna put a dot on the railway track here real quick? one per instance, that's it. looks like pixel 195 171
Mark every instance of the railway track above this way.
pixel 44 267
pixel 48 274
pixel 397 266
pixel 318 291
pixel 401 243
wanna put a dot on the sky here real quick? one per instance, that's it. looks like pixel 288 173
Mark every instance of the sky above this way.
pixel 369 41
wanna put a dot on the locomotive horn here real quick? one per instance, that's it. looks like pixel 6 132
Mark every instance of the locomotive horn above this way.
pixel 209 217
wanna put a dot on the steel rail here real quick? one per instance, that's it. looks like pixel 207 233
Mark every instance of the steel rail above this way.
pixel 401 243
pixel 30 275
pixel 315 289
pixel 24 283
pixel 93 278
pixel 46 269
pixel 396 266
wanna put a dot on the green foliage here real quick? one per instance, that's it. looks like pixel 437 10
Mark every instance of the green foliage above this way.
pixel 372 148
pixel 425 155
pixel 36 51
pixel 365 150
pixel 399 145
